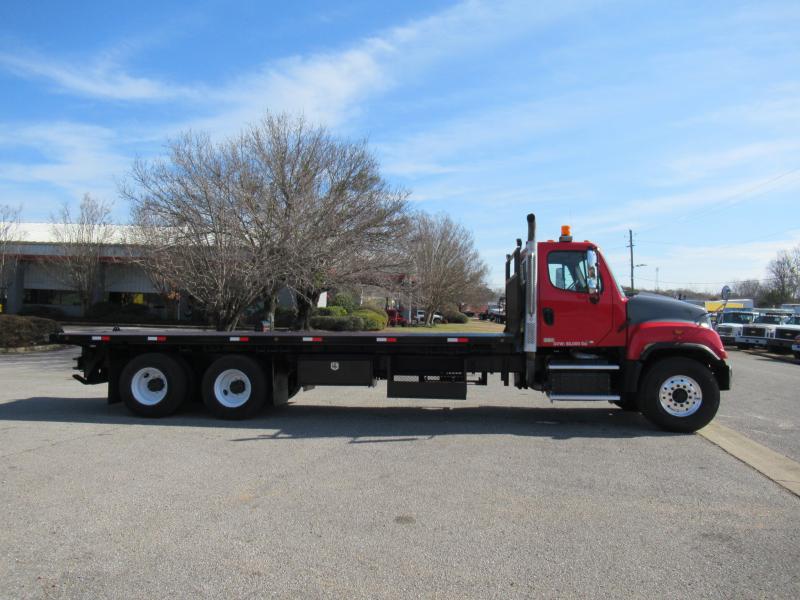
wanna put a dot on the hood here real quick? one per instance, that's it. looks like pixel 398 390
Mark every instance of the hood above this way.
pixel 652 307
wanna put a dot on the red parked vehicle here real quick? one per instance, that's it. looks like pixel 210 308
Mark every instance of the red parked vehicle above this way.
pixel 396 318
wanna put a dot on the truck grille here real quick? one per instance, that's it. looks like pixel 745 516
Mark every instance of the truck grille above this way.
pixel 725 330
pixel 787 334
pixel 754 331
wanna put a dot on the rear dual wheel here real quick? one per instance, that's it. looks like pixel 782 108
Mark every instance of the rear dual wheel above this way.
pixel 153 384
pixel 234 387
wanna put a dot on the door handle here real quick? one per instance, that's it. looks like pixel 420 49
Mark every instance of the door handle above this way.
pixel 548 315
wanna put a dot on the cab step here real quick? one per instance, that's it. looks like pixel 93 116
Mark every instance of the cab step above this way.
pixel 589 380
pixel 585 397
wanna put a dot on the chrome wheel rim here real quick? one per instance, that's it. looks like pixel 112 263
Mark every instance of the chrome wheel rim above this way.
pixel 680 396
pixel 232 388
pixel 149 386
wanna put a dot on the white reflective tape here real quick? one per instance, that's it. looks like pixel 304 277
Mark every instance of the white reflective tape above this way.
pixel 234 338
pixel 152 338
pixel 452 340
pixel 380 339
pixel 96 338
pixel 308 339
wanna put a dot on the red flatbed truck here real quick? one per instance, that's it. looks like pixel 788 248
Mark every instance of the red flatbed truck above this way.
pixel 570 332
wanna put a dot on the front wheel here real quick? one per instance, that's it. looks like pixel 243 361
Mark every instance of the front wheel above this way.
pixel 679 394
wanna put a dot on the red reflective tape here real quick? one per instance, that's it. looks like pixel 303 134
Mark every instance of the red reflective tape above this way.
pixel 106 338
pixel 391 339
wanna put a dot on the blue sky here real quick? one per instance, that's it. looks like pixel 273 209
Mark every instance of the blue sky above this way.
pixel 679 120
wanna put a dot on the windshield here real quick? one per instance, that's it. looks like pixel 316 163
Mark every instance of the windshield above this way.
pixel 741 318
pixel 770 319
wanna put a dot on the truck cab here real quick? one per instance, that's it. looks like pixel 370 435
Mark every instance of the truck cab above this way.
pixel 730 322
pixel 786 336
pixel 758 333
pixel 584 339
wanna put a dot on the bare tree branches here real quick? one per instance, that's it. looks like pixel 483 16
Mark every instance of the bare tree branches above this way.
pixel 336 221
pixel 284 204
pixel 81 240
pixel 9 232
pixel 188 223
pixel 445 263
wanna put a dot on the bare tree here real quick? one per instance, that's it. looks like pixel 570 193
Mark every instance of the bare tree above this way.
pixel 9 233
pixel 322 205
pixel 784 272
pixel 191 227
pixel 81 240
pixel 445 263
pixel 749 288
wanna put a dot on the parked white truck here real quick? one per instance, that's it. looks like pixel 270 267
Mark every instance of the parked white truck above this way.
pixel 756 334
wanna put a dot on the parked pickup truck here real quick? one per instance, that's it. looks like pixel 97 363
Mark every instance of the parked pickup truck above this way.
pixel 730 323
pixel 762 328
pixel 785 337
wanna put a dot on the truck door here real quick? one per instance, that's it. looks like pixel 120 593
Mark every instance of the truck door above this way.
pixel 569 315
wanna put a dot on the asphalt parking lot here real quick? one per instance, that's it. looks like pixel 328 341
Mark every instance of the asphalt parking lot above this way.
pixel 347 494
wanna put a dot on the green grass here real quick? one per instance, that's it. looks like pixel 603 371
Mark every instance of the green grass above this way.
pixel 472 326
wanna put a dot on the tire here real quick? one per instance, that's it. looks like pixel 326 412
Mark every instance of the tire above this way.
pixel 234 387
pixel 153 385
pixel 796 354
pixel 679 394
pixel 628 403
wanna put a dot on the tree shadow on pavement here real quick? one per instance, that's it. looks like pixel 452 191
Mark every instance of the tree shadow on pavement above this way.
pixel 361 424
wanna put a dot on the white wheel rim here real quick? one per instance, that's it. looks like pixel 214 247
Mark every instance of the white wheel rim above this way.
pixel 149 386
pixel 232 388
pixel 680 396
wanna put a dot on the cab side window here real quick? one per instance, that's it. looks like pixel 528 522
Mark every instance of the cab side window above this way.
pixel 568 270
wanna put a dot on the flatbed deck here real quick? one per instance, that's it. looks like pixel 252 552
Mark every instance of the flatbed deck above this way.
pixel 305 339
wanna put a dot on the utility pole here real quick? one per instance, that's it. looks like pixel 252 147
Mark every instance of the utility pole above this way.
pixel 630 245
pixel 656 278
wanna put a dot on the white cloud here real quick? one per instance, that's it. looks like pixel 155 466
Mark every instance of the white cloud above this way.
pixel 100 78
pixel 702 165
pixel 72 157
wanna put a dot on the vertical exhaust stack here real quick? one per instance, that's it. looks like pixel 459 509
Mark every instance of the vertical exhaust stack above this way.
pixel 508 267
pixel 531 227
pixel 529 335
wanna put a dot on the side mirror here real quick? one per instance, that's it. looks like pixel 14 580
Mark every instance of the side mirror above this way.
pixel 726 293
pixel 591 276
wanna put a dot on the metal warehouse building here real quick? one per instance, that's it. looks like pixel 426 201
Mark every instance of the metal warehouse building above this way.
pixel 37 283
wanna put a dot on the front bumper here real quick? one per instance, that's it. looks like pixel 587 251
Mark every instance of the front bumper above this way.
pixel 747 340
pixel 724 375
pixel 781 343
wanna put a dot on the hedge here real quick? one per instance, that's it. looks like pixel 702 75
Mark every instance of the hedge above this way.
pixel 331 311
pixel 346 301
pixel 17 331
pixel 455 317
pixel 373 320
pixel 348 323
